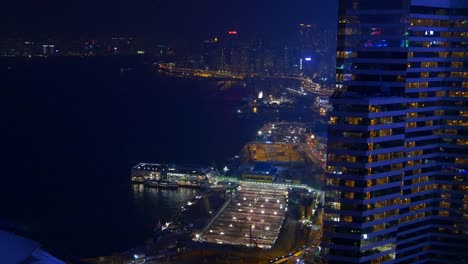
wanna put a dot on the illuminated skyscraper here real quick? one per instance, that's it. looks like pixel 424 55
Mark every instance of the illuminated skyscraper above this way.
pixel 213 54
pixel 257 56
pixel 397 168
pixel 306 35
pixel 231 43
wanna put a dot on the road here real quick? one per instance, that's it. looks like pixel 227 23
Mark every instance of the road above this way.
pixel 307 83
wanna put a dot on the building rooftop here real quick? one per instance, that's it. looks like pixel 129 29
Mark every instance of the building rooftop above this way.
pixel 17 249
pixel 253 218
pixel 149 166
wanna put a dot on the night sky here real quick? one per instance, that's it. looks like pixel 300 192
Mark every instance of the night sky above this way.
pixel 161 20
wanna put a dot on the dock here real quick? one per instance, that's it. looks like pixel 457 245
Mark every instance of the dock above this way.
pixel 251 218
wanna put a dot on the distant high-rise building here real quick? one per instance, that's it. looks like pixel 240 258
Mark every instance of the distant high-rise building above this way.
pixel 315 48
pixel 230 43
pixel 306 36
pixel 121 46
pixel 213 54
pixel 48 49
pixel 29 48
pixel 240 60
pixel 257 56
pixel 397 168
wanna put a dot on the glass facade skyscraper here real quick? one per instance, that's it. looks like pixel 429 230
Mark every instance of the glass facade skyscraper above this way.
pixel 397 162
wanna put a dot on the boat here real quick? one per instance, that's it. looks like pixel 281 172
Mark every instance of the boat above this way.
pixel 168 184
pixel 136 179
pixel 161 183
pixel 172 175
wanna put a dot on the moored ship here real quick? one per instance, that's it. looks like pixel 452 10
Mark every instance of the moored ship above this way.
pixel 161 183
pixel 172 175
pixel 136 179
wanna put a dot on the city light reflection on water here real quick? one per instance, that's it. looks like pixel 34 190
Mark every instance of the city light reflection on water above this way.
pixel 100 203
pixel 157 204
pixel 63 207
pixel 138 191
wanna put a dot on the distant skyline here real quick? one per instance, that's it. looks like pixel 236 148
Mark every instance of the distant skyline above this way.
pixel 162 20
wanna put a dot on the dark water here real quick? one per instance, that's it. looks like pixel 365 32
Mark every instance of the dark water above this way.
pixel 72 129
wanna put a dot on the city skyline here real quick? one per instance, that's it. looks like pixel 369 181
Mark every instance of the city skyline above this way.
pixel 245 131
pixel 308 50
pixel 162 20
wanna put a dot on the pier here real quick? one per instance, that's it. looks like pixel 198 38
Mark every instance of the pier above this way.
pixel 251 218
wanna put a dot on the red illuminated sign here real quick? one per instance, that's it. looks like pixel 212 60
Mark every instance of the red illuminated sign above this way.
pixel 232 32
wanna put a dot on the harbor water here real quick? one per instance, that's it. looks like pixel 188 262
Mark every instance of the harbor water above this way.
pixel 73 128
